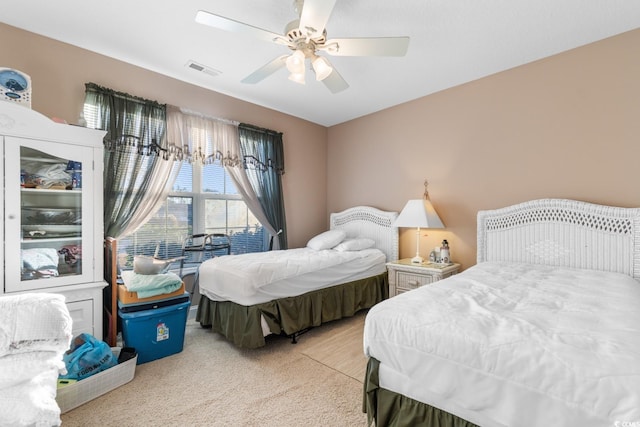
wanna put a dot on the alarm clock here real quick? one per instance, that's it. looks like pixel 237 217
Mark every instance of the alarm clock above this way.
pixel 15 86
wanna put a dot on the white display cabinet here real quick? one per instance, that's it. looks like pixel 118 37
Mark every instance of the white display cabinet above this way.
pixel 53 221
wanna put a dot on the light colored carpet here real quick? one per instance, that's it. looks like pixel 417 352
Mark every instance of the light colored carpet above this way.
pixel 316 382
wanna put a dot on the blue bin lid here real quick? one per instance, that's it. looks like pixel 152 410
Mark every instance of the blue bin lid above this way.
pixel 155 311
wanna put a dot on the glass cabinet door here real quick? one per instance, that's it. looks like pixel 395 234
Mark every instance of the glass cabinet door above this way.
pixel 48 214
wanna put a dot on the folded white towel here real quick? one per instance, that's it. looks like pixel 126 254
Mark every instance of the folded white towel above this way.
pixel 17 369
pixel 35 331
pixel 34 322
pixel 40 259
pixel 32 402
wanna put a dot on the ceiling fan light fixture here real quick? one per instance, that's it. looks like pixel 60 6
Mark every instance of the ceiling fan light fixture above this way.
pixel 295 62
pixel 297 77
pixel 304 37
pixel 321 67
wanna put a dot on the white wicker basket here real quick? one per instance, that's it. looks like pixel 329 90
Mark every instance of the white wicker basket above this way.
pixel 73 395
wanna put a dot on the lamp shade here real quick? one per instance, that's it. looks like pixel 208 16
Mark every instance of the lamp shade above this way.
pixel 419 213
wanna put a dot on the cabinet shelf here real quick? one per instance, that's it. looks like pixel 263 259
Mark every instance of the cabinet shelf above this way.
pixel 52 191
pixel 51 240
pixel 40 159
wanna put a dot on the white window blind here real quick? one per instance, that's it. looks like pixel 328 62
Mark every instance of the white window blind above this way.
pixel 203 201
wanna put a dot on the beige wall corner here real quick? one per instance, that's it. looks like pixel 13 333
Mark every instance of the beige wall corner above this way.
pixel 563 127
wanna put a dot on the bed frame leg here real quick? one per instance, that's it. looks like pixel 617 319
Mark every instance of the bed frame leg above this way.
pixel 294 336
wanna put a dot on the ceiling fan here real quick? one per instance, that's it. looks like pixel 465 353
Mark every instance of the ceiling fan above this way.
pixel 306 37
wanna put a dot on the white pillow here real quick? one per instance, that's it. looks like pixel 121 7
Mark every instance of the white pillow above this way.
pixel 326 240
pixel 355 245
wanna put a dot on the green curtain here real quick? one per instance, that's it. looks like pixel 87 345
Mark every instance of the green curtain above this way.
pixel 263 155
pixel 133 152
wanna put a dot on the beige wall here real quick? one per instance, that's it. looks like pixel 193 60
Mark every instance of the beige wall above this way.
pixel 566 126
pixel 59 71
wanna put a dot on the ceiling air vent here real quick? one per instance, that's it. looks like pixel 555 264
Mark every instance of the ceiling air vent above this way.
pixel 203 68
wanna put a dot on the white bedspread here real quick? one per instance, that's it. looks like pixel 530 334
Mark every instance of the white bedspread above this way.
pixel 259 277
pixel 514 344
pixel 35 330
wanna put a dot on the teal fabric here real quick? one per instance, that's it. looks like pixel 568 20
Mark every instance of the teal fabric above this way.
pixel 149 285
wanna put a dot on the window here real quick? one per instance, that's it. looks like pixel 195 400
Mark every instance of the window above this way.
pixel 203 201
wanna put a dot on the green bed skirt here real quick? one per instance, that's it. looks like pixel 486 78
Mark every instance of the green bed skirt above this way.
pixel 241 324
pixel 387 408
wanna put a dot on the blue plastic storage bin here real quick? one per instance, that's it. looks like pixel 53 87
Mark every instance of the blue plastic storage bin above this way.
pixel 155 333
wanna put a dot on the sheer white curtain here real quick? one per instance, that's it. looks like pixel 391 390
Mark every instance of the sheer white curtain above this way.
pixel 161 179
pixel 241 181
pixel 205 139
pixel 197 138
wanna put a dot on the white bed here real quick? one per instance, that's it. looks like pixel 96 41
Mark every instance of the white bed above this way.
pixel 292 290
pixel 264 276
pixel 544 330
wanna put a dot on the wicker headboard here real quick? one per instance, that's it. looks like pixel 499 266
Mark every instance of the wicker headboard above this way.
pixel 365 221
pixel 563 233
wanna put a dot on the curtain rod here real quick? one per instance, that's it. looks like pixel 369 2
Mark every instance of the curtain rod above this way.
pixel 105 90
pixel 259 129
pixel 204 116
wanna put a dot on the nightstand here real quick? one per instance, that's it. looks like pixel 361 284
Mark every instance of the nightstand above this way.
pixel 405 275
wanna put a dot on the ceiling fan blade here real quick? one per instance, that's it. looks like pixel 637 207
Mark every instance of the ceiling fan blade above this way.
pixel 335 83
pixel 374 46
pixel 233 26
pixel 314 16
pixel 266 70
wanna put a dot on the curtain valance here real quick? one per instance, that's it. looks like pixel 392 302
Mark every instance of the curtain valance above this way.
pixel 193 137
pixel 141 134
pixel 133 124
pixel 261 148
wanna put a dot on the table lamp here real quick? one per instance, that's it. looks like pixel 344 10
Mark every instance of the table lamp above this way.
pixel 419 213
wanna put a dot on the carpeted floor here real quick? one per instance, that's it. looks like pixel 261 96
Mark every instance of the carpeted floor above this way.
pixel 316 382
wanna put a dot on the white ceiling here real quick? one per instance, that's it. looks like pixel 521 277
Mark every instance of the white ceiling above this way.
pixel 452 42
